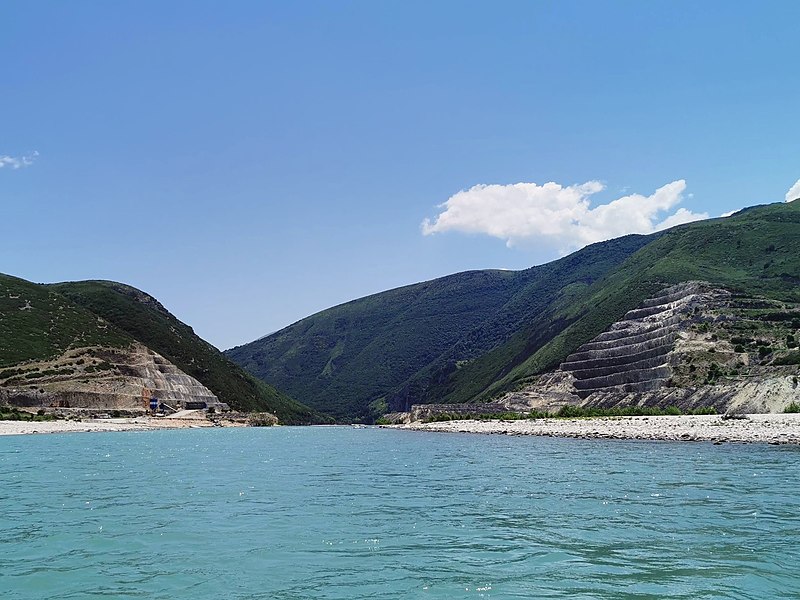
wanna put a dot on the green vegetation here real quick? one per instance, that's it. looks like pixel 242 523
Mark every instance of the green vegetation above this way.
pixel 479 416
pixel 10 413
pixel 727 252
pixel 261 420
pixel 40 322
pixel 573 412
pixel 37 324
pixel 143 318
pixel 569 412
pixel 398 344
pixel 473 336
pixel 792 358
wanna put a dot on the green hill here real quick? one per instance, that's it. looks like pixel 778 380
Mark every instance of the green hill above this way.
pixel 471 336
pixel 38 323
pixel 42 322
pixel 356 359
pixel 752 252
pixel 143 318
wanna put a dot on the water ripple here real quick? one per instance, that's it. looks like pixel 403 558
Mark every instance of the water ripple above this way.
pixel 334 513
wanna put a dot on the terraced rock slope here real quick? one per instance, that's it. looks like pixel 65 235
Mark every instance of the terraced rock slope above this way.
pixel 691 345
pixel 633 355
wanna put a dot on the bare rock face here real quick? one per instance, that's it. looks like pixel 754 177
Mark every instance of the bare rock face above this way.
pixel 549 393
pixel 691 346
pixel 633 355
pixel 103 378
pixel 761 395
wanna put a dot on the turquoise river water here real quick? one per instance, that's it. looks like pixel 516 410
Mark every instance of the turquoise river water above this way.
pixel 345 513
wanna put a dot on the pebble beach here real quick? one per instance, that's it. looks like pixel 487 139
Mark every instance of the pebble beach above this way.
pixel 89 425
pixel 769 428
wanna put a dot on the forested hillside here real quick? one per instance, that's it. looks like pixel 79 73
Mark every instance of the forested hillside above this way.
pixel 471 336
pixel 358 358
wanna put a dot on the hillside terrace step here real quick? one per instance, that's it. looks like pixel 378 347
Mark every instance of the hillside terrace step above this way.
pixel 631 362
pixel 641 365
pixel 650 385
pixel 576 360
pixel 643 313
pixel 660 372
pixel 624 329
pixel 674 317
pixel 673 295
pixel 630 340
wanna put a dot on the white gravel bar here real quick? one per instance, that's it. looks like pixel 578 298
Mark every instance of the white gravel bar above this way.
pixel 138 424
pixel 769 428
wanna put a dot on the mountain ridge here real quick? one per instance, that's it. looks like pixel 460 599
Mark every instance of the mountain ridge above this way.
pixel 357 361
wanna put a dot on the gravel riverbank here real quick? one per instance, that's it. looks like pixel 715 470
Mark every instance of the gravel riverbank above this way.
pixel 87 425
pixel 756 428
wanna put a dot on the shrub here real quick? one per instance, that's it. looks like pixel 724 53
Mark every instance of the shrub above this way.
pixel 261 419
pixel 572 412
pixel 792 358
pixel 793 407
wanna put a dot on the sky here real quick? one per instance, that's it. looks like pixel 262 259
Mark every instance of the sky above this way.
pixel 251 163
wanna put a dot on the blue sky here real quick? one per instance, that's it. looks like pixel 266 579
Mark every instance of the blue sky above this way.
pixel 249 163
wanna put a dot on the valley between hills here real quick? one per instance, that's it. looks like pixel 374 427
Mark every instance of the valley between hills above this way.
pixel 492 341
pixel 703 317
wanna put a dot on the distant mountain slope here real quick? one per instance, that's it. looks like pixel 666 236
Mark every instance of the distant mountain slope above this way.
pixel 357 358
pixel 143 318
pixel 753 252
pixel 471 336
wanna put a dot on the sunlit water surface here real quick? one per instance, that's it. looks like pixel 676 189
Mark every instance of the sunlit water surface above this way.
pixel 344 513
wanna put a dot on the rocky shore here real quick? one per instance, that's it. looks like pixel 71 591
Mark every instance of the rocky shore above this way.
pixel 772 428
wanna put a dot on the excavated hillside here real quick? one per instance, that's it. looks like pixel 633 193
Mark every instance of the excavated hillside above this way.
pixel 103 379
pixel 99 345
pixel 633 355
pixel 692 346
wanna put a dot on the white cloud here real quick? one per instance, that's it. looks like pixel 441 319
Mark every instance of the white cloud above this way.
pixel 556 216
pixel 730 212
pixel 17 162
pixel 794 192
